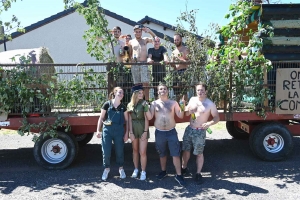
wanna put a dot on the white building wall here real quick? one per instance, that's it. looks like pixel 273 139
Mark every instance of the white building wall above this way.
pixel 63 38
pixel 160 28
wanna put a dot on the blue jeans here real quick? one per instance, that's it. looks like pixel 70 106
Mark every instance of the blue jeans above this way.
pixel 115 133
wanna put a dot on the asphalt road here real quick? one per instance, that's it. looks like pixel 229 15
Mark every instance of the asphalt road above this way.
pixel 230 171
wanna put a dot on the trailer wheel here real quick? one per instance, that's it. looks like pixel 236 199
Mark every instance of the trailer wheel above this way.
pixel 271 141
pixel 56 153
pixel 83 139
pixel 236 132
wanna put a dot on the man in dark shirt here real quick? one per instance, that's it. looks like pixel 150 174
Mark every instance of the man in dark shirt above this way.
pixel 157 54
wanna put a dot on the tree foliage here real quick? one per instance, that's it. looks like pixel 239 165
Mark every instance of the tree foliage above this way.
pixel 11 24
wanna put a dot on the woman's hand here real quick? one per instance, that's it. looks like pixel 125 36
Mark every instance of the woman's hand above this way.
pixel 125 137
pixel 99 134
pixel 144 136
pixel 132 137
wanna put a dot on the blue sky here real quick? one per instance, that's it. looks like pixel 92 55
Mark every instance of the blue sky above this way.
pixel 32 11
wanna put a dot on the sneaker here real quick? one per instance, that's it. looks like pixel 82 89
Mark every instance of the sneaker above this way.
pixel 122 173
pixel 180 180
pixel 198 179
pixel 184 171
pixel 161 175
pixel 135 173
pixel 105 174
pixel 143 176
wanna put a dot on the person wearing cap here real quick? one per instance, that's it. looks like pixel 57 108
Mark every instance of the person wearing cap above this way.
pixel 138 54
pixel 138 110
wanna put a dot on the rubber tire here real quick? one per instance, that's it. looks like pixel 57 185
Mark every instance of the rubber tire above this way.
pixel 236 132
pixel 83 141
pixel 69 141
pixel 261 131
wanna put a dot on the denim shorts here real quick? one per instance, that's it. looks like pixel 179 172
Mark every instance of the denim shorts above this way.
pixel 140 74
pixel 194 138
pixel 167 138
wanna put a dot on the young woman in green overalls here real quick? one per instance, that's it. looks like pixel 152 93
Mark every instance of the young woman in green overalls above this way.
pixel 138 110
pixel 113 117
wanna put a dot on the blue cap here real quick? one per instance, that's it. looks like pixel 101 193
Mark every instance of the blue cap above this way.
pixel 137 88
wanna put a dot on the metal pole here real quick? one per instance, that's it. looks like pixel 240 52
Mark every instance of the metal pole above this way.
pixel 2 32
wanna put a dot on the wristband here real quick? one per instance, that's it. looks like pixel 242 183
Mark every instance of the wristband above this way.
pixel 145 131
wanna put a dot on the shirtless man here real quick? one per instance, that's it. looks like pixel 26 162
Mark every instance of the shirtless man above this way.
pixel 164 111
pixel 195 133
pixel 180 54
pixel 138 52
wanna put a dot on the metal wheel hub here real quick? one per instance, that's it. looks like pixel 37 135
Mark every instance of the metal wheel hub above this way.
pixel 273 143
pixel 54 151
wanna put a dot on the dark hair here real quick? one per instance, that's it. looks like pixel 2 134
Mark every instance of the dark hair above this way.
pixel 202 84
pixel 112 94
pixel 162 84
pixel 128 35
pixel 118 27
pixel 179 34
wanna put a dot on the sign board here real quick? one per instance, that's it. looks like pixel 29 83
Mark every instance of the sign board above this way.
pixel 288 91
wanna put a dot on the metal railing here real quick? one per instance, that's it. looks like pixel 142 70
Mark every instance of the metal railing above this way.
pixel 85 87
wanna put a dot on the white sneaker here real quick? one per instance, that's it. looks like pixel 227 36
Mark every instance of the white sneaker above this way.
pixel 105 174
pixel 143 176
pixel 135 173
pixel 122 173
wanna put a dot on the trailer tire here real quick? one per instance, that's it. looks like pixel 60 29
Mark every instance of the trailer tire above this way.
pixel 236 132
pixel 83 139
pixel 65 146
pixel 271 141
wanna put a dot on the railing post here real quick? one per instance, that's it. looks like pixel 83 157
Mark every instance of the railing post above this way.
pixel 111 83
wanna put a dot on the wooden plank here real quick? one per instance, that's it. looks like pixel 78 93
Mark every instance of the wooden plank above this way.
pixel 282 23
pixel 280 49
pixel 293 32
pixel 282 57
pixel 282 40
pixel 282 12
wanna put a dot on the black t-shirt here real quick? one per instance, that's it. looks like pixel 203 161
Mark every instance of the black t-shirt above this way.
pixel 157 56
pixel 108 103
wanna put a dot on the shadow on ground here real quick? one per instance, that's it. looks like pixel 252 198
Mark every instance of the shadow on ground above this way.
pixel 224 159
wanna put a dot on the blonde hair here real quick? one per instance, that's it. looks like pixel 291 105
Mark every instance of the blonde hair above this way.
pixel 134 98
pixel 112 94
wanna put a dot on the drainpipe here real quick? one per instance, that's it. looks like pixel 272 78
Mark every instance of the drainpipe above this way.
pixel 2 32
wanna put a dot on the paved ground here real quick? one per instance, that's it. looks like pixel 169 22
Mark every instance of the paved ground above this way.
pixel 230 170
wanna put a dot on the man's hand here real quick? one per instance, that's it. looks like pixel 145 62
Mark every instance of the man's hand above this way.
pixel 146 29
pixel 149 60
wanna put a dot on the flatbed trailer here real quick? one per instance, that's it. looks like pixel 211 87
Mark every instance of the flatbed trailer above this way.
pixel 270 138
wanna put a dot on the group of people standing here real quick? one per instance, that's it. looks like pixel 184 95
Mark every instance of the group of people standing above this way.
pixel 138 53
pixel 136 117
